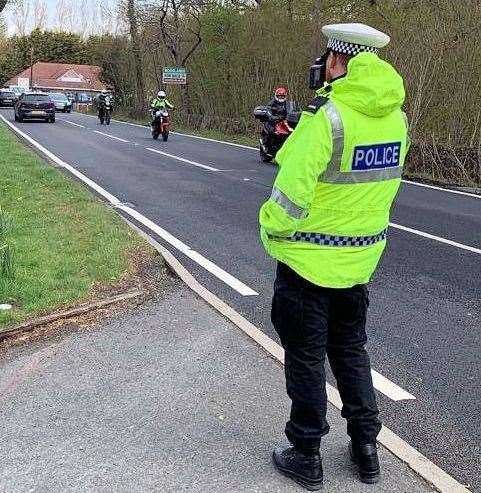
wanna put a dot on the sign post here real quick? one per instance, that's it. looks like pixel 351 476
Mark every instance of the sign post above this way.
pixel 174 75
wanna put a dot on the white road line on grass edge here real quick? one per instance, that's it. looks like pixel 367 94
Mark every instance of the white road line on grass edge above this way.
pixel 72 123
pixel 110 136
pixel 224 276
pixel 441 480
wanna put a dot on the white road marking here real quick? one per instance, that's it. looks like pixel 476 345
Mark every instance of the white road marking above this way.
pixel 110 136
pixel 224 276
pixel 108 196
pixel 194 163
pixel 390 389
pixel 74 124
pixel 436 238
pixel 449 190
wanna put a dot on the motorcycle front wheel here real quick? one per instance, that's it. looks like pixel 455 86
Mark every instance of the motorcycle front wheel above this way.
pixel 265 158
pixel 107 119
pixel 155 134
pixel 165 136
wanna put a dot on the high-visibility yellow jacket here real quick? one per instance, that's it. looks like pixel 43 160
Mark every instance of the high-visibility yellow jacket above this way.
pixel 339 173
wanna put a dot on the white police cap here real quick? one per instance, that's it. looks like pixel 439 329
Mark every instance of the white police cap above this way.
pixel 352 39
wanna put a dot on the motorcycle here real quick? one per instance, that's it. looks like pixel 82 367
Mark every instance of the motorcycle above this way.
pixel 275 132
pixel 160 124
pixel 105 112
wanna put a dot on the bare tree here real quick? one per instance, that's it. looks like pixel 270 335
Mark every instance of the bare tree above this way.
pixel 21 13
pixel 39 14
pixel 137 54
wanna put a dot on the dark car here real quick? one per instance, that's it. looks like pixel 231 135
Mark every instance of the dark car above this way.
pixel 61 102
pixel 37 106
pixel 7 98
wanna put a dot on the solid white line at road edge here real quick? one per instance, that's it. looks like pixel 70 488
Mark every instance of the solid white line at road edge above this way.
pixel 436 238
pixel 110 136
pixel 74 124
pixel 172 156
pixel 419 463
pixel 449 190
pixel 222 275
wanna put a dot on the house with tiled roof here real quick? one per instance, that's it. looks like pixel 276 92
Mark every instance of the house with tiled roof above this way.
pixel 64 77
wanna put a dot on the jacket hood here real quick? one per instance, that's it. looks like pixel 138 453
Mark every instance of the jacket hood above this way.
pixel 371 86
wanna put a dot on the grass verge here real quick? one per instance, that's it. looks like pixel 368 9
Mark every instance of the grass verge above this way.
pixel 67 245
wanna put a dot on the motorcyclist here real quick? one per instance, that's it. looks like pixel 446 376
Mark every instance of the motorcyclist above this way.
pixel 278 108
pixel 102 99
pixel 161 102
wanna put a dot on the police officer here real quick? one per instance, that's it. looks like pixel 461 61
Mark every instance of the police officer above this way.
pixel 326 225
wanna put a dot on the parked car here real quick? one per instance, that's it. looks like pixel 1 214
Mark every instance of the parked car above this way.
pixel 61 102
pixel 7 98
pixel 37 106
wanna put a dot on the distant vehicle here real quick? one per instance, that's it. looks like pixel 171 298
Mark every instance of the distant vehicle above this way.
pixel 7 98
pixel 61 102
pixel 18 90
pixel 36 106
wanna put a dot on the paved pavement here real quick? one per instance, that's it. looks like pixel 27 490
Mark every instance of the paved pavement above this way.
pixel 167 397
pixel 425 314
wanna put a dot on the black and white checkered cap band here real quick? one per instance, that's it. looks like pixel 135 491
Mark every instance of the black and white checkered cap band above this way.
pixel 332 240
pixel 349 48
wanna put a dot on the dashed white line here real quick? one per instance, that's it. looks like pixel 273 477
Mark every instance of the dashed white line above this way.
pixel 74 124
pixel 389 389
pixel 111 136
pixel 436 238
pixel 188 161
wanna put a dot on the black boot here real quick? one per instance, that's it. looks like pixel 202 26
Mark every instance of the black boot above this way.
pixel 304 468
pixel 365 456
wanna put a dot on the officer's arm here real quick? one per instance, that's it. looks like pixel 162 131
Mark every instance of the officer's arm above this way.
pixel 302 159
pixel 169 104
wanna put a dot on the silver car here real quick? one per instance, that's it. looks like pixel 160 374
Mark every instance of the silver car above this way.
pixel 62 103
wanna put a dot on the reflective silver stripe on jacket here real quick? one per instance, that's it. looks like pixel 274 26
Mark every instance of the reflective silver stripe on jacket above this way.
pixel 333 173
pixel 406 121
pixel 291 209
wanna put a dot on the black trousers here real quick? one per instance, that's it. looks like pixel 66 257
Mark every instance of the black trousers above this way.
pixel 312 321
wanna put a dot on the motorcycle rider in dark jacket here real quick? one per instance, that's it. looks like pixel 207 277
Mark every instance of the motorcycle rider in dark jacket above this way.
pixel 278 107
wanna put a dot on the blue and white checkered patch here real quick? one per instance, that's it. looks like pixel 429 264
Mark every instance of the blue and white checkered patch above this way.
pixel 336 241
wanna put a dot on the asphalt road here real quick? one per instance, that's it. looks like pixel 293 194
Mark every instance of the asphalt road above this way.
pixel 425 316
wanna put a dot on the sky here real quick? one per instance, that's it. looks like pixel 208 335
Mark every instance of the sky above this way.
pixel 83 16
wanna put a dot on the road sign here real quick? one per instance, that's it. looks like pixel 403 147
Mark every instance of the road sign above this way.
pixel 23 82
pixel 174 75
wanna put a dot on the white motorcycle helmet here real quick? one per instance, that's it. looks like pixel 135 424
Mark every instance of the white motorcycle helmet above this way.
pixel 161 94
